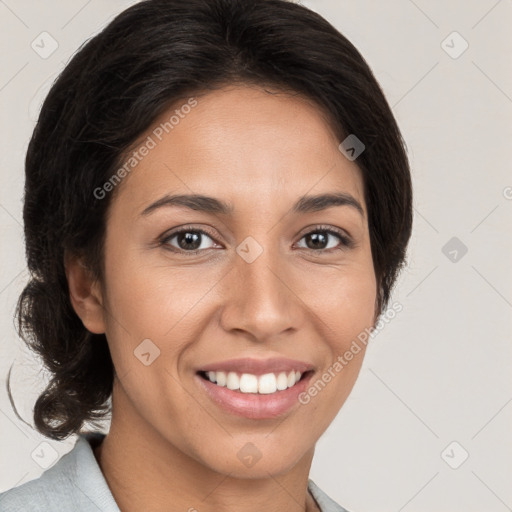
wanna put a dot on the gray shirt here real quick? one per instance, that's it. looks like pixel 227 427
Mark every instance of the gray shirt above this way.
pixel 76 483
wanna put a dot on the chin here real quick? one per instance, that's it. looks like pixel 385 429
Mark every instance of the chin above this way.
pixel 258 458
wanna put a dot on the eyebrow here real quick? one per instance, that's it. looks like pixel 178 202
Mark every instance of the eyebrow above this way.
pixel 323 201
pixel 305 204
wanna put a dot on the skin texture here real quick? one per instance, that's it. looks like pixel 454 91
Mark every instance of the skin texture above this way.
pixel 170 447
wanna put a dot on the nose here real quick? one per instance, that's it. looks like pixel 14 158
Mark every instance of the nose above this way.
pixel 260 299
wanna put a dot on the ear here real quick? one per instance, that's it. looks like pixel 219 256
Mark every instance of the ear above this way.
pixel 85 294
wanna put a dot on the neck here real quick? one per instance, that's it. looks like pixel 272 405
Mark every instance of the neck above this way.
pixel 146 471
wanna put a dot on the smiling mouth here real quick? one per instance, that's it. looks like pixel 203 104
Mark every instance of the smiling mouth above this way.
pixel 247 383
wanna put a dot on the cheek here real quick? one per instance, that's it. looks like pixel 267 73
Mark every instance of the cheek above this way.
pixel 151 300
pixel 165 305
pixel 345 305
pixel 344 300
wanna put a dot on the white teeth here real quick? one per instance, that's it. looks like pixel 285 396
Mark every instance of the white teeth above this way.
pixel 233 381
pixel 219 377
pixel 282 381
pixel 267 384
pixel 248 383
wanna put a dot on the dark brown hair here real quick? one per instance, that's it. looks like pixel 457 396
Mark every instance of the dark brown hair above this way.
pixel 110 93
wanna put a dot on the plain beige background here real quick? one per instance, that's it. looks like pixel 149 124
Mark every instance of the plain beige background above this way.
pixel 428 425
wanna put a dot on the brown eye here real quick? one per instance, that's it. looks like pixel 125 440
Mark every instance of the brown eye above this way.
pixel 325 240
pixel 187 240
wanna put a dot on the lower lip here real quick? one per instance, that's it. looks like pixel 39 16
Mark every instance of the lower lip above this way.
pixel 254 405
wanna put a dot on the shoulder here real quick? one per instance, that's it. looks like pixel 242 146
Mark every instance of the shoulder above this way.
pixel 74 482
pixel 325 503
pixel 52 487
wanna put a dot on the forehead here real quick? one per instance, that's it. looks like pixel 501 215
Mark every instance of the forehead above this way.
pixel 243 144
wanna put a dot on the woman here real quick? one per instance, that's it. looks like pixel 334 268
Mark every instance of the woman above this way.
pixel 218 202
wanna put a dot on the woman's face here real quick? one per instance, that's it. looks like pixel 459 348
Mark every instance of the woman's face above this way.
pixel 265 283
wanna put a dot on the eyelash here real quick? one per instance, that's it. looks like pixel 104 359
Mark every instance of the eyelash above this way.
pixel 346 241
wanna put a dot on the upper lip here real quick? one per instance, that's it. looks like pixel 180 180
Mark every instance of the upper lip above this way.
pixel 258 366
